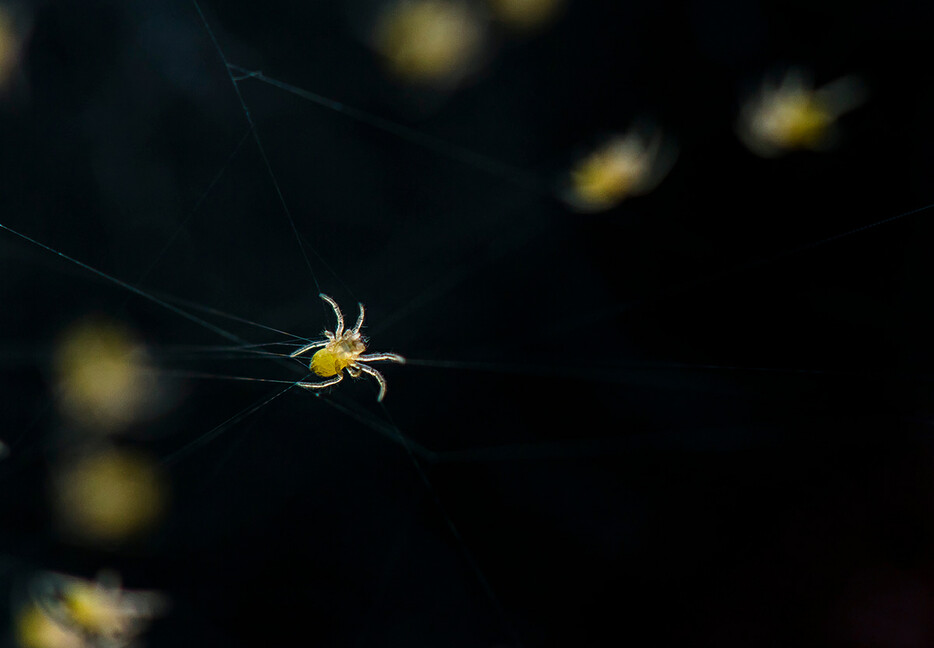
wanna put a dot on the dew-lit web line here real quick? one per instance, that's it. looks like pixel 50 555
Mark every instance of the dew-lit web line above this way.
pixel 455 532
pixel 391 432
pixel 217 430
pixel 17 352
pixel 184 373
pixel 126 286
pixel 228 355
pixel 247 348
pixel 181 226
pixel 236 318
pixel 512 174
pixel 259 145
pixel 499 248
pixel 333 272
pixel 239 352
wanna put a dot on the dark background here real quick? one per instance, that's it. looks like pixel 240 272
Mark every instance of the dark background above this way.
pixel 674 422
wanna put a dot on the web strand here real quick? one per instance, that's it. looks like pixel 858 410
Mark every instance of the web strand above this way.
pixel 259 146
pixel 191 214
pixel 133 289
pixel 216 431
pixel 513 175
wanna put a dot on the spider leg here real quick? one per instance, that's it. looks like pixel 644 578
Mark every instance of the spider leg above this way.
pixel 337 311
pixel 354 371
pixel 379 378
pixel 321 385
pixel 375 357
pixel 308 347
pixel 356 327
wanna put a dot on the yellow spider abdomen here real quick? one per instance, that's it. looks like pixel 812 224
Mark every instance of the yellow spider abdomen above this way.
pixel 327 363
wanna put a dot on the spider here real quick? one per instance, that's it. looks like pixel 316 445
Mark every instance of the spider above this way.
pixel 344 350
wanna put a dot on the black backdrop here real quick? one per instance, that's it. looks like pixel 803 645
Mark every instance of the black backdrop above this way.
pixel 674 421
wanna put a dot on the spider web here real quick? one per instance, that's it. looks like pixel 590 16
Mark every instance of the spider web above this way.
pixel 604 419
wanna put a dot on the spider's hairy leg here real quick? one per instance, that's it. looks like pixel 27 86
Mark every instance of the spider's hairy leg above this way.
pixel 356 327
pixel 308 347
pixel 324 383
pixel 337 311
pixel 376 357
pixel 379 378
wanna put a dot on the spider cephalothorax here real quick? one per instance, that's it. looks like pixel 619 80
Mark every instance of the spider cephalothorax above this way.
pixel 343 349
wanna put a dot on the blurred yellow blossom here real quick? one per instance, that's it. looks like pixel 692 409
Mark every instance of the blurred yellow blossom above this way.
pixel 791 114
pixel 525 14
pixel 104 376
pixel 70 612
pixel 429 41
pixel 109 495
pixel 624 166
